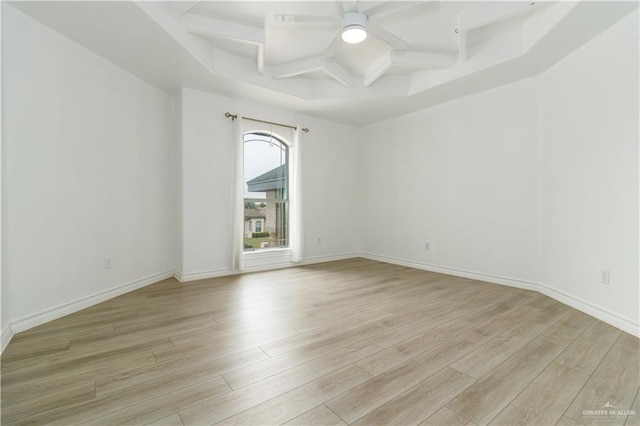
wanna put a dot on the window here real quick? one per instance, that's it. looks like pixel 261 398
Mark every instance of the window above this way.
pixel 266 191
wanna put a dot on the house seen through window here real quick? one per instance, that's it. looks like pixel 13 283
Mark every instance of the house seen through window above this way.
pixel 266 192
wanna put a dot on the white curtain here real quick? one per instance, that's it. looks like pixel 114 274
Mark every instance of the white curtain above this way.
pixel 238 197
pixel 295 203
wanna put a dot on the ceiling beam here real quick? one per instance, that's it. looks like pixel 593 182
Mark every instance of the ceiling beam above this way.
pixel 462 46
pixel 386 37
pixel 341 75
pixel 376 70
pixel 260 59
pixel 311 64
pixel 212 27
pixel 298 67
pixel 462 42
pixel 422 59
pixel 179 8
pixel 404 58
pixel 305 19
pixel 223 29
pixel 333 46
pixel 492 12
pixel 390 8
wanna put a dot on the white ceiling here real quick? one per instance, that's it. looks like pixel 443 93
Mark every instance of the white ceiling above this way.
pixel 420 53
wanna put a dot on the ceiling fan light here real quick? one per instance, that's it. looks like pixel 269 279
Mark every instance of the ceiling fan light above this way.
pixel 354 27
pixel 354 34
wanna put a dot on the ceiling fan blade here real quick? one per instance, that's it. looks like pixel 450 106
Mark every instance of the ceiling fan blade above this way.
pixel 390 8
pixel 387 37
pixel 333 46
pixel 305 19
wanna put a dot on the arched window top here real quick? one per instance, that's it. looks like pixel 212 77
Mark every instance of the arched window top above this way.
pixel 266 136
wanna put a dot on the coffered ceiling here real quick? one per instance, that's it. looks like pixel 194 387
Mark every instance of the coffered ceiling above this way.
pixel 290 53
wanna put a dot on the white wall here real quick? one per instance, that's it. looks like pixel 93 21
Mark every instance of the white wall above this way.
pixel 207 161
pixel 532 184
pixel 330 183
pixel 89 153
pixel 330 189
pixel 590 171
pixel 463 175
pixel 4 299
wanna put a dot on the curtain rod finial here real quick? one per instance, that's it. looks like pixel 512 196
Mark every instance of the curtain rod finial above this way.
pixel 305 129
pixel 231 116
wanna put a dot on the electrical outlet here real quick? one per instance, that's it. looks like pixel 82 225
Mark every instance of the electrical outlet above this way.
pixel 604 277
pixel 427 245
pixel 107 263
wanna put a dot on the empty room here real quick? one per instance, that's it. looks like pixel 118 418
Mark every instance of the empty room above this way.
pixel 320 213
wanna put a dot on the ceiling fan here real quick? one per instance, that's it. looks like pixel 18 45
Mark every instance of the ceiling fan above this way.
pixel 356 24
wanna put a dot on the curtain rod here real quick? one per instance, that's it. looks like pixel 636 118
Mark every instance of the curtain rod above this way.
pixel 234 116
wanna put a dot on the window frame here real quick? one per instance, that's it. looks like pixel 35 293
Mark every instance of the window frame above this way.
pixel 284 145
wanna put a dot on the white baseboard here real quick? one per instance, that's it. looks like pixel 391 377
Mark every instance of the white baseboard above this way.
pixel 588 308
pixel 496 279
pixel 31 321
pixel 202 275
pixel 282 262
pixel 268 265
pixel 7 334
pixel 330 258
pixel 217 273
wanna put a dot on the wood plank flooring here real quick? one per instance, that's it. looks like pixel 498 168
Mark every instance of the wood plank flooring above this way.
pixel 348 342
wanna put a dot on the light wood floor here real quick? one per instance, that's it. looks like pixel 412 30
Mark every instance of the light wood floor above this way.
pixel 344 342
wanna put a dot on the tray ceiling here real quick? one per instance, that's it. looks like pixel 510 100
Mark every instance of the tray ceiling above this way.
pixel 290 54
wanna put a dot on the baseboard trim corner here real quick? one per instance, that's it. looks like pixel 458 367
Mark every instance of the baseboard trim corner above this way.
pixel 47 315
pixel 7 334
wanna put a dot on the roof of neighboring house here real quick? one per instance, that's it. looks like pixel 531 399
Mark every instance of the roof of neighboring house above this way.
pixel 273 179
pixel 253 214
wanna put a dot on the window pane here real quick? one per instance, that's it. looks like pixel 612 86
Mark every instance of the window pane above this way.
pixel 266 192
pixel 265 167
pixel 270 220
